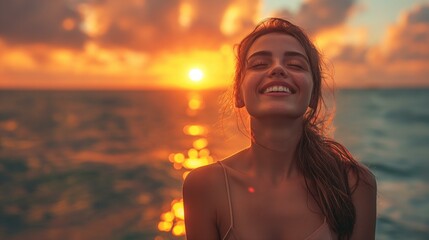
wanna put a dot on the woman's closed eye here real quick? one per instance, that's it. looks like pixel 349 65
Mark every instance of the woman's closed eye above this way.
pixel 296 65
pixel 258 65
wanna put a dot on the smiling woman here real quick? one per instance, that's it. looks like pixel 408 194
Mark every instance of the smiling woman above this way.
pixel 293 181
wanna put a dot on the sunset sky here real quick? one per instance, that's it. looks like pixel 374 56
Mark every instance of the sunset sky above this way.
pixel 140 44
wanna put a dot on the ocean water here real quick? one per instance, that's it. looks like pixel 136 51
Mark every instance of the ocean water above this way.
pixel 110 164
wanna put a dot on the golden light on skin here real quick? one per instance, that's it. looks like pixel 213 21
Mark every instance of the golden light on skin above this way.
pixel 196 75
pixel 186 13
pixel 68 24
pixel 185 174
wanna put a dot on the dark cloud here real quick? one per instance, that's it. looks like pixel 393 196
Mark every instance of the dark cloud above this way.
pixel 147 25
pixel 316 15
pixel 419 15
pixel 28 21
pixel 155 25
pixel 137 25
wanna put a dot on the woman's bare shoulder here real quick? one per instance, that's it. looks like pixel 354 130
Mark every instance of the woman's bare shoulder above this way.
pixel 235 159
pixel 364 197
pixel 363 178
pixel 204 175
pixel 209 178
pixel 202 194
pixel 200 190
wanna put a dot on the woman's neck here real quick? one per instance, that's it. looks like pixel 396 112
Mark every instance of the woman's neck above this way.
pixel 273 149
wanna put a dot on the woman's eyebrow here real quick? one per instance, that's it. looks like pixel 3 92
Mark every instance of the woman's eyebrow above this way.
pixel 296 54
pixel 260 53
pixel 286 54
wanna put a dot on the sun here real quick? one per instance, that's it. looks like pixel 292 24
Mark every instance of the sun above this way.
pixel 196 75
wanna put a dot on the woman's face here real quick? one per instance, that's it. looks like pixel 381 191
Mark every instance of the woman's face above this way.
pixel 277 81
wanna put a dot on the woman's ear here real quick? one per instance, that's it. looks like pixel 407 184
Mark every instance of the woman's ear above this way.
pixel 238 100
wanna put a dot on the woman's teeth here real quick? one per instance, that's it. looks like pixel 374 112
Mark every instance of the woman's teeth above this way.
pixel 277 89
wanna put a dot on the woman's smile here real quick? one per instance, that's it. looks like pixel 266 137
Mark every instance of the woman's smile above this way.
pixel 275 88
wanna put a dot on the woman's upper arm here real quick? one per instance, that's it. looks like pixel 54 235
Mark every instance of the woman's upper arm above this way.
pixel 200 208
pixel 365 201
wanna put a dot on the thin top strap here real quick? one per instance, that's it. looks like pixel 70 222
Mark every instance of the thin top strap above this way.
pixel 229 201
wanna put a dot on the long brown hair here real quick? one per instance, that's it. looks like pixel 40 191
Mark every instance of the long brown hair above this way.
pixel 325 163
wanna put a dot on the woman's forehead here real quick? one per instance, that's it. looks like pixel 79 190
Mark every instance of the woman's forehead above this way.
pixel 276 43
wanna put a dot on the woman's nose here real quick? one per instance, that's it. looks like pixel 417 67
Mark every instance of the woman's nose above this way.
pixel 278 71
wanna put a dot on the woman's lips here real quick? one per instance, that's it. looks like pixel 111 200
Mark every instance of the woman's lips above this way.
pixel 277 87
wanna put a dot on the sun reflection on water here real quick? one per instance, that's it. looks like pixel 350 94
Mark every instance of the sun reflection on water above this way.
pixel 196 156
pixel 195 130
pixel 195 103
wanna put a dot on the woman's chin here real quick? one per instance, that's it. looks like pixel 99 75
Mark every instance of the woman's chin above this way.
pixel 277 113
